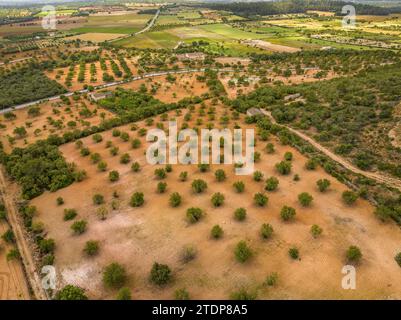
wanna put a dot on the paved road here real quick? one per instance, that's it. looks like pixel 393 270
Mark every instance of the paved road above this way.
pixel 390 181
pixel 108 85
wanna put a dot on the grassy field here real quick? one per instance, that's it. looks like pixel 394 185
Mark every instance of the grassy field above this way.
pixel 126 24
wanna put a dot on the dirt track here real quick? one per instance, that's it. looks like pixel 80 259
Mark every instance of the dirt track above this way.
pixel 392 182
pixel 22 244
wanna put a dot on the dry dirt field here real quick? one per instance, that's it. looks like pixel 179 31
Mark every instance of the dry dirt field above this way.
pixel 156 232
pixel 95 37
pixel 265 45
pixel 41 122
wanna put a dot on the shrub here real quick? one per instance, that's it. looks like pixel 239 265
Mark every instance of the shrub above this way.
pixel 160 173
pixel 175 199
pixel 383 213
pixel 353 254
pixel 216 232
pixel 97 138
pixel 114 151
pixel 294 253
pixel 183 176
pixel 161 187
pixel 194 214
pixel 260 199
pixel 323 184
pixel 270 148
pixel 8 236
pixel 98 199
pixel 284 167
pixel 311 164
pixel 181 294
pixel 69 214
pixel 397 258
pixel 137 199
pixel 114 276
pixel 316 231
pixel 13 254
pixel 60 201
pixel 91 248
pixel 124 136
pixel 70 292
pixel 79 227
pixel 271 279
pixel 296 177
pixel 114 176
pixel 287 213
pixel 135 167
pixel 168 168
pixel 160 274
pixel 239 186
pixel 288 156
pixel 257 176
pixel 125 158
pixel 240 214
pixel 305 199
pixel 102 212
pixel 349 197
pixel 116 133
pixel 203 167
pixel 217 199
pixel 266 231
pixel 242 252
pixel 85 152
pixel 188 253
pixel 243 294
pixel 124 294
pixel 136 143
pixel 199 185
pixel 46 246
pixel 271 184
pixel 102 166
pixel 220 175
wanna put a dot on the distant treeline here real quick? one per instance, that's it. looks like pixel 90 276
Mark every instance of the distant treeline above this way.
pixel 297 6
pixel 147 11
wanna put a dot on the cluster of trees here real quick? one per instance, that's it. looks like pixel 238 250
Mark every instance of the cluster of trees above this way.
pixel 297 6
pixel 37 168
pixel 26 84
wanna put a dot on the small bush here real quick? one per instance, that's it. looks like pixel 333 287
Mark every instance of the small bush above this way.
pixel 305 199
pixel 220 175
pixel 287 213
pixel 69 214
pixel 294 253
pixel 266 231
pixel 135 167
pixel 203 167
pixel 160 274
pixel 98 199
pixel 175 199
pixel 216 232
pixel 257 176
pixel 114 176
pixel 260 199
pixel 271 184
pixel 114 276
pixel 271 279
pixel 284 167
pixel 353 254
pixel 316 231
pixel 194 214
pixel 102 166
pixel 239 186
pixel 349 197
pixel 160 173
pixel 188 253
pixel 240 214
pixel 199 185
pixel 181 294
pixel 161 187
pixel 137 199
pixel 124 294
pixel 288 156
pixel 46 246
pixel 136 143
pixel 217 199
pixel 79 227
pixel 397 258
pixel 323 184
pixel 311 164
pixel 242 252
pixel 91 248
pixel 70 292
pixel 243 294
pixel 60 201
pixel 125 158
pixel 183 176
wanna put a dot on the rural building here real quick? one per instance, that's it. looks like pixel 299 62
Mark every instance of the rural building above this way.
pixel 96 96
pixel 254 112
pixel 191 56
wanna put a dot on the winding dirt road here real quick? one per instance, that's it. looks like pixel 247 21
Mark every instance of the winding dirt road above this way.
pixel 389 181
